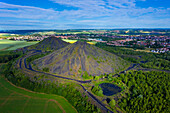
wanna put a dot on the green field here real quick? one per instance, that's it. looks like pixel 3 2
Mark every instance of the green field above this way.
pixel 13 45
pixel 18 100
pixel 6 35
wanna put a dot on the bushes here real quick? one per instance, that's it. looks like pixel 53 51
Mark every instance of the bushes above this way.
pixel 97 90
pixel 112 103
pixel 86 75
pixel 8 56
pixel 46 69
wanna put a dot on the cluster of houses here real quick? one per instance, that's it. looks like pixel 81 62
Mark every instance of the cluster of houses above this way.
pixel 96 40
pixel 64 37
pixel 161 50
pixel 119 42
pixel 164 41
pixel 28 38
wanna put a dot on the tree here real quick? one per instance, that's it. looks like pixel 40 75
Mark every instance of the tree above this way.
pixel 96 78
pixel 100 93
pixel 112 103
pixel 97 90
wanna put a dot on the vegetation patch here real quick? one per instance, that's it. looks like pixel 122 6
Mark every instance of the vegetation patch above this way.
pixel 46 69
pixel 97 90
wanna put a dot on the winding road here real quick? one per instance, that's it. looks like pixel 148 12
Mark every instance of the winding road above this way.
pixel 23 65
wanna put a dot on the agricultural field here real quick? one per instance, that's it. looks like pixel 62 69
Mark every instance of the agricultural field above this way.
pixel 5 35
pixel 74 33
pixel 13 45
pixel 19 100
pixel 69 41
pixel 93 43
pixel 66 32
pixel 145 50
pixel 73 41
pixel 46 33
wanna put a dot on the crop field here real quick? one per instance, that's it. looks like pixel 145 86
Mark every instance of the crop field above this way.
pixel 69 41
pixel 92 42
pixel 6 35
pixel 69 32
pixel 73 41
pixel 146 50
pixel 19 100
pixel 73 33
pixel 13 45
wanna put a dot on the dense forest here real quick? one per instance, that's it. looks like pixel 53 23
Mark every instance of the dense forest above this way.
pixel 149 92
pixel 152 60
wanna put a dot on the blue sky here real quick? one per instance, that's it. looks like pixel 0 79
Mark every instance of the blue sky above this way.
pixel 84 14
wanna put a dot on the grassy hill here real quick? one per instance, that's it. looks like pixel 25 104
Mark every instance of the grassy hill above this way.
pixel 81 58
pixel 16 100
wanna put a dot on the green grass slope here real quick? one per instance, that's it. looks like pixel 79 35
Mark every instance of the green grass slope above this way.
pixel 80 58
pixel 18 100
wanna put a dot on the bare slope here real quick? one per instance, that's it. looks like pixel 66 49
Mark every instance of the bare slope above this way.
pixel 80 57
pixel 51 43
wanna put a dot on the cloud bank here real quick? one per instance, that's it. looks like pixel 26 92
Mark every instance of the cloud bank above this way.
pixel 84 14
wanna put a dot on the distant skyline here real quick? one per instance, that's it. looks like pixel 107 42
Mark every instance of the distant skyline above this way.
pixel 83 14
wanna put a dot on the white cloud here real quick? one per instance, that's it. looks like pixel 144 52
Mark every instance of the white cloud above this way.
pixel 111 8
pixel 18 11
pixel 88 13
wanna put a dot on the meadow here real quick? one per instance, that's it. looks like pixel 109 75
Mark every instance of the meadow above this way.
pixel 13 45
pixel 19 100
